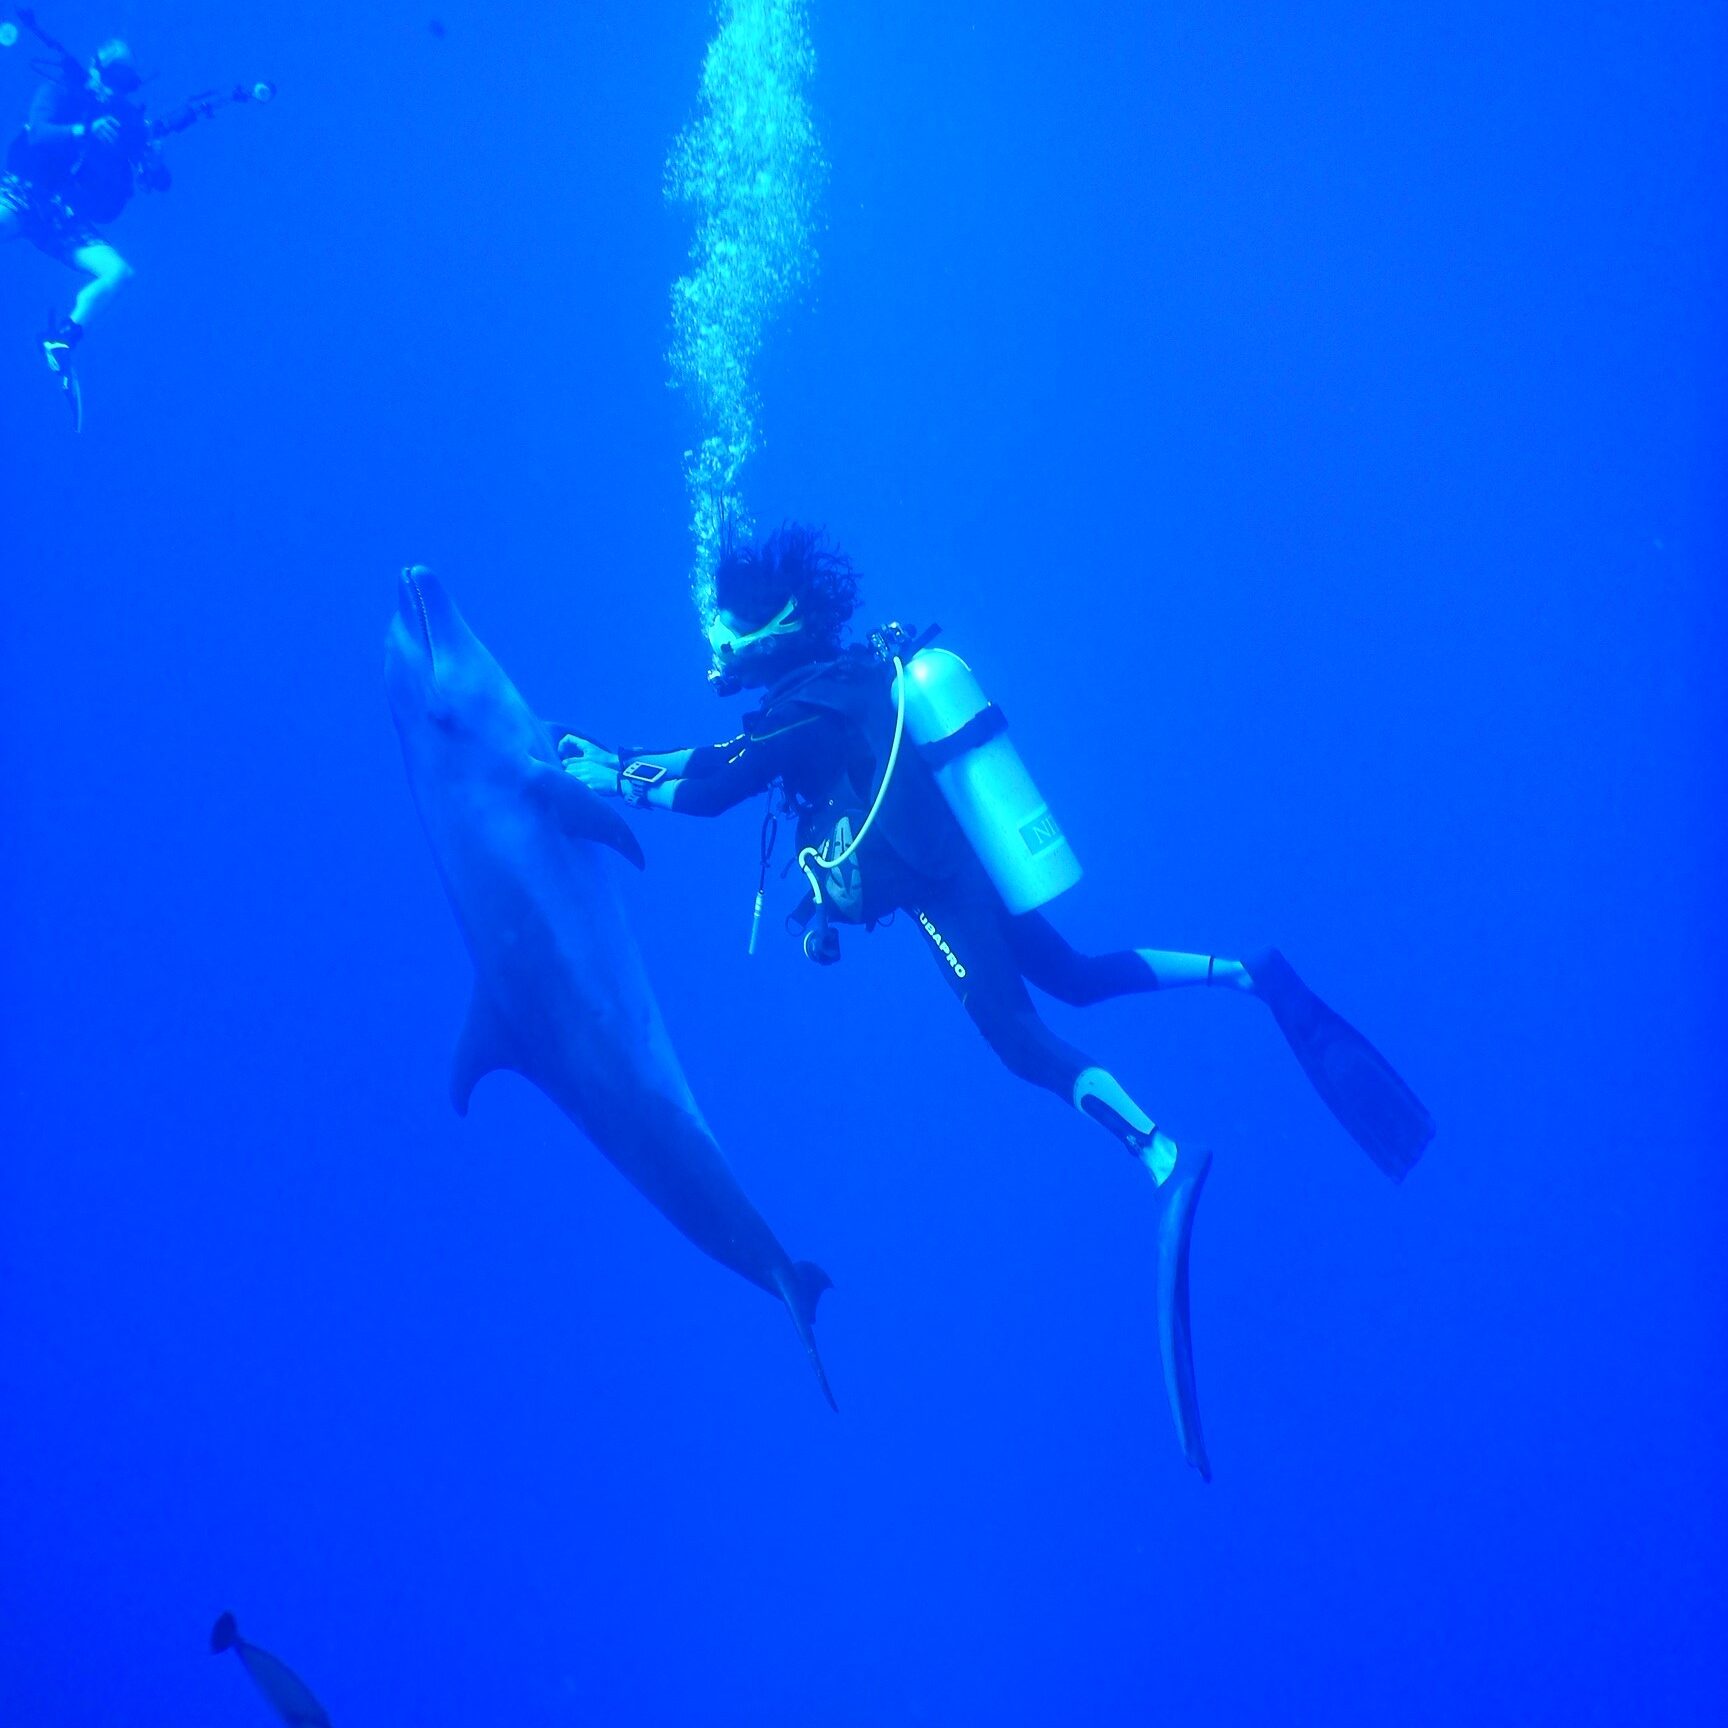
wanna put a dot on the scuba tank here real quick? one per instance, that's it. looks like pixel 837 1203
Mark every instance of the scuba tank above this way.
pixel 963 738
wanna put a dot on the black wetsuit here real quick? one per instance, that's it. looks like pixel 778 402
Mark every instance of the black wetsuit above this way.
pixel 823 734
pixel 61 185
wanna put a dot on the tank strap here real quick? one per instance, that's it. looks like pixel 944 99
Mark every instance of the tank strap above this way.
pixel 989 722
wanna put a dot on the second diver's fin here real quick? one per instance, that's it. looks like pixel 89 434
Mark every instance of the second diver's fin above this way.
pixel 224 1635
pixel 74 389
pixel 58 341
pixel 801 1286
pixel 1179 1196
pixel 483 1049
pixel 1358 1085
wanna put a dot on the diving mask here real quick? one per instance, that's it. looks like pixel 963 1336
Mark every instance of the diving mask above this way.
pixel 115 69
pixel 726 642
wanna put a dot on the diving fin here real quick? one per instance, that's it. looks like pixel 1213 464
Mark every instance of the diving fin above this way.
pixel 57 342
pixel 74 393
pixel 1358 1085
pixel 1179 1196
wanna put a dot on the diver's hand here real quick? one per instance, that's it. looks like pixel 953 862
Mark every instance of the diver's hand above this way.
pixel 107 128
pixel 573 747
pixel 592 764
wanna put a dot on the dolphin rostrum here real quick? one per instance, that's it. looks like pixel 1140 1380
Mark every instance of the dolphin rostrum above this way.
pixel 287 1693
pixel 560 993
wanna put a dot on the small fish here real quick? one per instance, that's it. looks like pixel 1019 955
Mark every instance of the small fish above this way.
pixel 283 1689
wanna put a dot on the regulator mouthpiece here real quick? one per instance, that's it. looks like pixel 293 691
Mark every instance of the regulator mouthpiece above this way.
pixel 822 944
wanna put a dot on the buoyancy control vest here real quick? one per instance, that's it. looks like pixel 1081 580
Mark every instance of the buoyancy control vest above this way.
pixel 95 178
pixel 959 788
pixel 914 840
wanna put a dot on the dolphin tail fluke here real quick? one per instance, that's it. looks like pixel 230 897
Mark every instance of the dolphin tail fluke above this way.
pixel 801 1286
pixel 224 1635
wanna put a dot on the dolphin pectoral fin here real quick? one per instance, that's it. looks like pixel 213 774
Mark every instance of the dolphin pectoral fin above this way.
pixel 801 1286
pixel 582 814
pixel 483 1049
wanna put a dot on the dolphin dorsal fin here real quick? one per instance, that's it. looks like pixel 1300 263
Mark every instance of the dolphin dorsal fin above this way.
pixel 483 1049
pixel 582 814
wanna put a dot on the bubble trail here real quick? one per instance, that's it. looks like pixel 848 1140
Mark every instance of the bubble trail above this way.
pixel 750 167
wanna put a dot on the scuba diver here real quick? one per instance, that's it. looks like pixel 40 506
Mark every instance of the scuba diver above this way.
pixel 909 796
pixel 86 146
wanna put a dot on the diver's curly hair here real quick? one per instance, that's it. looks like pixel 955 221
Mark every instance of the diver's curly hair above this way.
pixel 794 562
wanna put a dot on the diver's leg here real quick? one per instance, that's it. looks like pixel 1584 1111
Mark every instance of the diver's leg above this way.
pixel 1171 971
pixel 966 936
pixel 1049 961
pixel 965 931
pixel 1360 1087
pixel 108 273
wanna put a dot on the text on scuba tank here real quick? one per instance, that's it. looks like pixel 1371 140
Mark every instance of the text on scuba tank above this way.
pixel 1041 833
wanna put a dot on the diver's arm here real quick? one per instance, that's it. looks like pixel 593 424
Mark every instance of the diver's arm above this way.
pixel 189 113
pixel 41 127
pixel 674 763
pixel 723 775
pixel 696 782
pixel 594 764
pixel 586 759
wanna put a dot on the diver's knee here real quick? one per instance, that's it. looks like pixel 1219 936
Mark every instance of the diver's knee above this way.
pixel 1017 1059
pixel 108 271
pixel 1018 1041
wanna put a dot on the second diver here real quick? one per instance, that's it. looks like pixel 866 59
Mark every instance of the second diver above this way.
pixel 86 146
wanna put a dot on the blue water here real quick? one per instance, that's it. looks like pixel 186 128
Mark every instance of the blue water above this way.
pixel 1310 422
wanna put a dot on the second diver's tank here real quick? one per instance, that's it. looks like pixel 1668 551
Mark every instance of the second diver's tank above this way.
pixel 964 739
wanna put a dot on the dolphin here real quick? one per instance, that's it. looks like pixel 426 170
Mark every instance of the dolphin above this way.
pixel 560 992
pixel 286 1692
